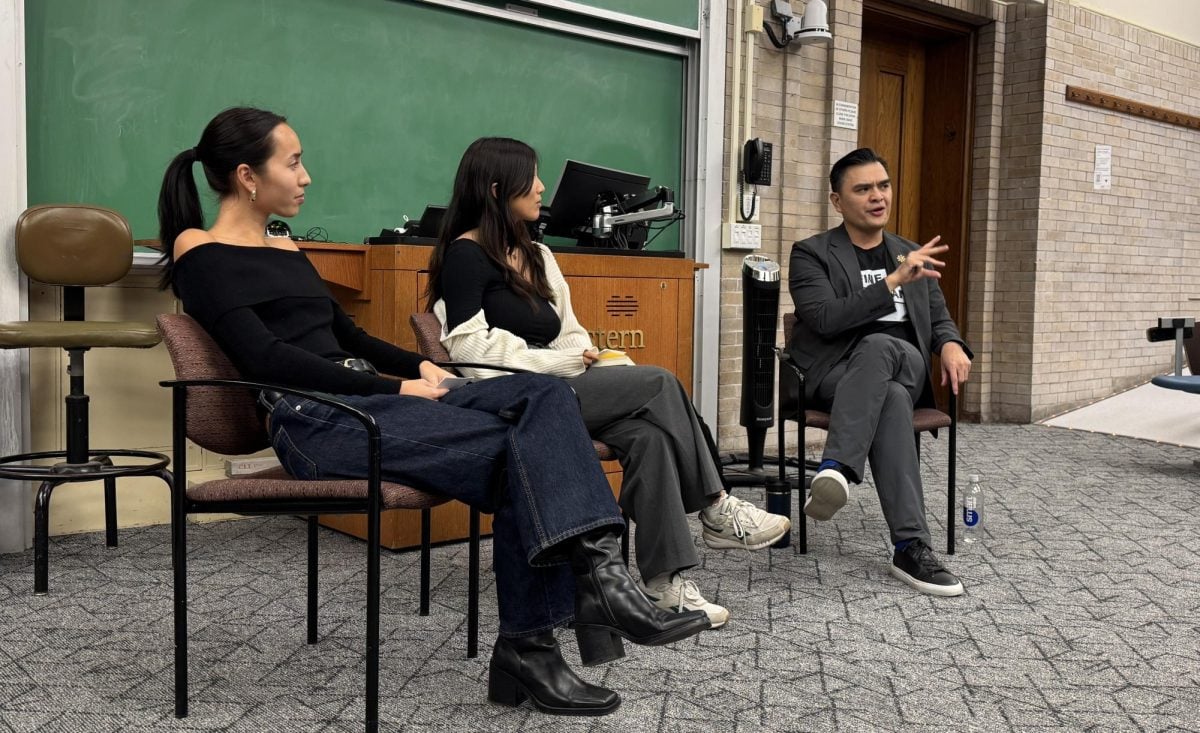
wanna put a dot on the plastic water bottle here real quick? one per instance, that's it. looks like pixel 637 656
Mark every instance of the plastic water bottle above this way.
pixel 972 510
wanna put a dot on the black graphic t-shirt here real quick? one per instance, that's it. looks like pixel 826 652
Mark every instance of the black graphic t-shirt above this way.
pixel 874 265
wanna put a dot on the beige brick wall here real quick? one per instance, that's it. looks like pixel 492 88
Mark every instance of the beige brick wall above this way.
pixel 1004 251
pixel 1110 262
pixel 1047 253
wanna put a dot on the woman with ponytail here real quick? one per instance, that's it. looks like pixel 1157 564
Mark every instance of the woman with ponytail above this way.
pixel 556 552
pixel 502 300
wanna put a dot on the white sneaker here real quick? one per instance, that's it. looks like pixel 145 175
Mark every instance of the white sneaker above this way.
pixel 737 524
pixel 673 593
pixel 827 493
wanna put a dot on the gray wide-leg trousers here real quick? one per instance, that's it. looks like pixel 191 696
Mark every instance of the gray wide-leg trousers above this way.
pixel 870 396
pixel 646 417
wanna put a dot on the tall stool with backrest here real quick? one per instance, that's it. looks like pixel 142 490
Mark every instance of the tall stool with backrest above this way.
pixel 76 247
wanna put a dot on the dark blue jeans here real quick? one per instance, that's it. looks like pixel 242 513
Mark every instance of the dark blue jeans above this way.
pixel 514 445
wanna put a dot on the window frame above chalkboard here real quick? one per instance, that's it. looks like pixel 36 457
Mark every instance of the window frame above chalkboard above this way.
pixel 594 9
pixel 584 20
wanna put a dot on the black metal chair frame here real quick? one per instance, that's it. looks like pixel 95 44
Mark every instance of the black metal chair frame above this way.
pixel 371 505
pixel 788 366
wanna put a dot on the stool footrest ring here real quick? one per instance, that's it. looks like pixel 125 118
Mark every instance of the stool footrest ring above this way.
pixel 100 465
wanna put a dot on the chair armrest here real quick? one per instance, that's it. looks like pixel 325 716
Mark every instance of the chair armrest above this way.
pixel 480 365
pixel 374 448
pixel 366 419
pixel 788 366
pixel 785 360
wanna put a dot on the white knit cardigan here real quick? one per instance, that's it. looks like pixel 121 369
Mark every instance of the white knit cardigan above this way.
pixel 475 340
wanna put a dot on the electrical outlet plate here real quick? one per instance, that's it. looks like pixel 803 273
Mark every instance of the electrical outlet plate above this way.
pixel 741 235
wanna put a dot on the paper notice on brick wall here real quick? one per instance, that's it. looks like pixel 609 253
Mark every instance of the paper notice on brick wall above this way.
pixel 845 114
pixel 1102 174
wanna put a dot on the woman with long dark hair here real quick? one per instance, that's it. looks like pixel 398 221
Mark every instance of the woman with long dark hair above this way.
pixel 502 300
pixel 556 553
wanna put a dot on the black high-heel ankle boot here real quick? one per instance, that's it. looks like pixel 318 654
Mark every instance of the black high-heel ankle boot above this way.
pixel 609 605
pixel 532 667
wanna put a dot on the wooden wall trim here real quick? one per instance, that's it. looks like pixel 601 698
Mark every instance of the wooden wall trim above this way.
pixel 1112 102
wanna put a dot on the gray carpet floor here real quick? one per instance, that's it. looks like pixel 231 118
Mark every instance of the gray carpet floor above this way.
pixel 1082 612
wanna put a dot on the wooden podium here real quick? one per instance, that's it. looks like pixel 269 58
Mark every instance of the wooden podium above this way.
pixel 639 303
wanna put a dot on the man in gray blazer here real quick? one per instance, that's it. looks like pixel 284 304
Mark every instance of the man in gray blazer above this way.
pixel 869 315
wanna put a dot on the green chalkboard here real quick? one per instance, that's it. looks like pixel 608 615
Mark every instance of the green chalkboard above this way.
pixel 385 96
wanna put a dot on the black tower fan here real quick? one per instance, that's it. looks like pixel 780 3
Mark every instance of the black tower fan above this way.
pixel 760 315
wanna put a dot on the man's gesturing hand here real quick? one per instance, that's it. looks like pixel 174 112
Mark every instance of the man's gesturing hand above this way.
pixel 914 265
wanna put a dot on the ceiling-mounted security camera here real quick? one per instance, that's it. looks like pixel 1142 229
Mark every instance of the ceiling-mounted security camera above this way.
pixel 812 27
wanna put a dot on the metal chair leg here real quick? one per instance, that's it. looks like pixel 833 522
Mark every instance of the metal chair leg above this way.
pixel 372 697
pixel 179 561
pixel 179 547
pixel 312 579
pixel 625 540
pixel 803 543
pixel 41 538
pixel 167 477
pixel 951 478
pixel 473 588
pixel 425 516
pixel 110 511
pixel 779 489
pixel 179 553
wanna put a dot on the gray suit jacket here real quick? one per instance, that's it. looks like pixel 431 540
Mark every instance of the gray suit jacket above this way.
pixel 831 305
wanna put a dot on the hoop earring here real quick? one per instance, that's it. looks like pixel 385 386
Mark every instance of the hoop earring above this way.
pixel 254 194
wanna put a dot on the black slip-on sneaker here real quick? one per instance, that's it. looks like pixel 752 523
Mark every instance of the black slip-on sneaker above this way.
pixel 919 567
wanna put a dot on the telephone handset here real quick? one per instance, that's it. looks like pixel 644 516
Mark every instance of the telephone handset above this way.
pixel 756 162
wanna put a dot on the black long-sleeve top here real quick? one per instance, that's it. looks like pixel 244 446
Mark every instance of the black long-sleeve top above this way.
pixel 271 313
pixel 471 282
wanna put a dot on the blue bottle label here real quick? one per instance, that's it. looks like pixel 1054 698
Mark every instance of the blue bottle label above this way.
pixel 970 517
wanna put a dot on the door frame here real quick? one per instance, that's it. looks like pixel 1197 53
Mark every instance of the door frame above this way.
pixel 925 24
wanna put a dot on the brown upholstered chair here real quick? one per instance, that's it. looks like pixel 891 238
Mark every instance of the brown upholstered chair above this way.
pixel 217 410
pixel 792 407
pixel 75 247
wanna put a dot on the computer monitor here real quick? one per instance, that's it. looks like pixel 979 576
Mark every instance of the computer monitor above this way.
pixel 579 186
pixel 430 223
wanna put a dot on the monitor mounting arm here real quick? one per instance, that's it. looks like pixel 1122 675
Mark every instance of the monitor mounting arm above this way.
pixel 605 220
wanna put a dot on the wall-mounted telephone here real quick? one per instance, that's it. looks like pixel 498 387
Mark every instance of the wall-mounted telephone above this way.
pixel 756 162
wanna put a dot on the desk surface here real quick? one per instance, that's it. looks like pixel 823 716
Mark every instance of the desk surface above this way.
pixel 146 256
pixel 555 248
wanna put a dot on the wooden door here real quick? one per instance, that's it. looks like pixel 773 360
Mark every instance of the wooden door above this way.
pixel 893 93
pixel 915 110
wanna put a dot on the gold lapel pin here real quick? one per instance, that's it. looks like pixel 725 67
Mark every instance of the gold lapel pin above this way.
pixel 900 259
